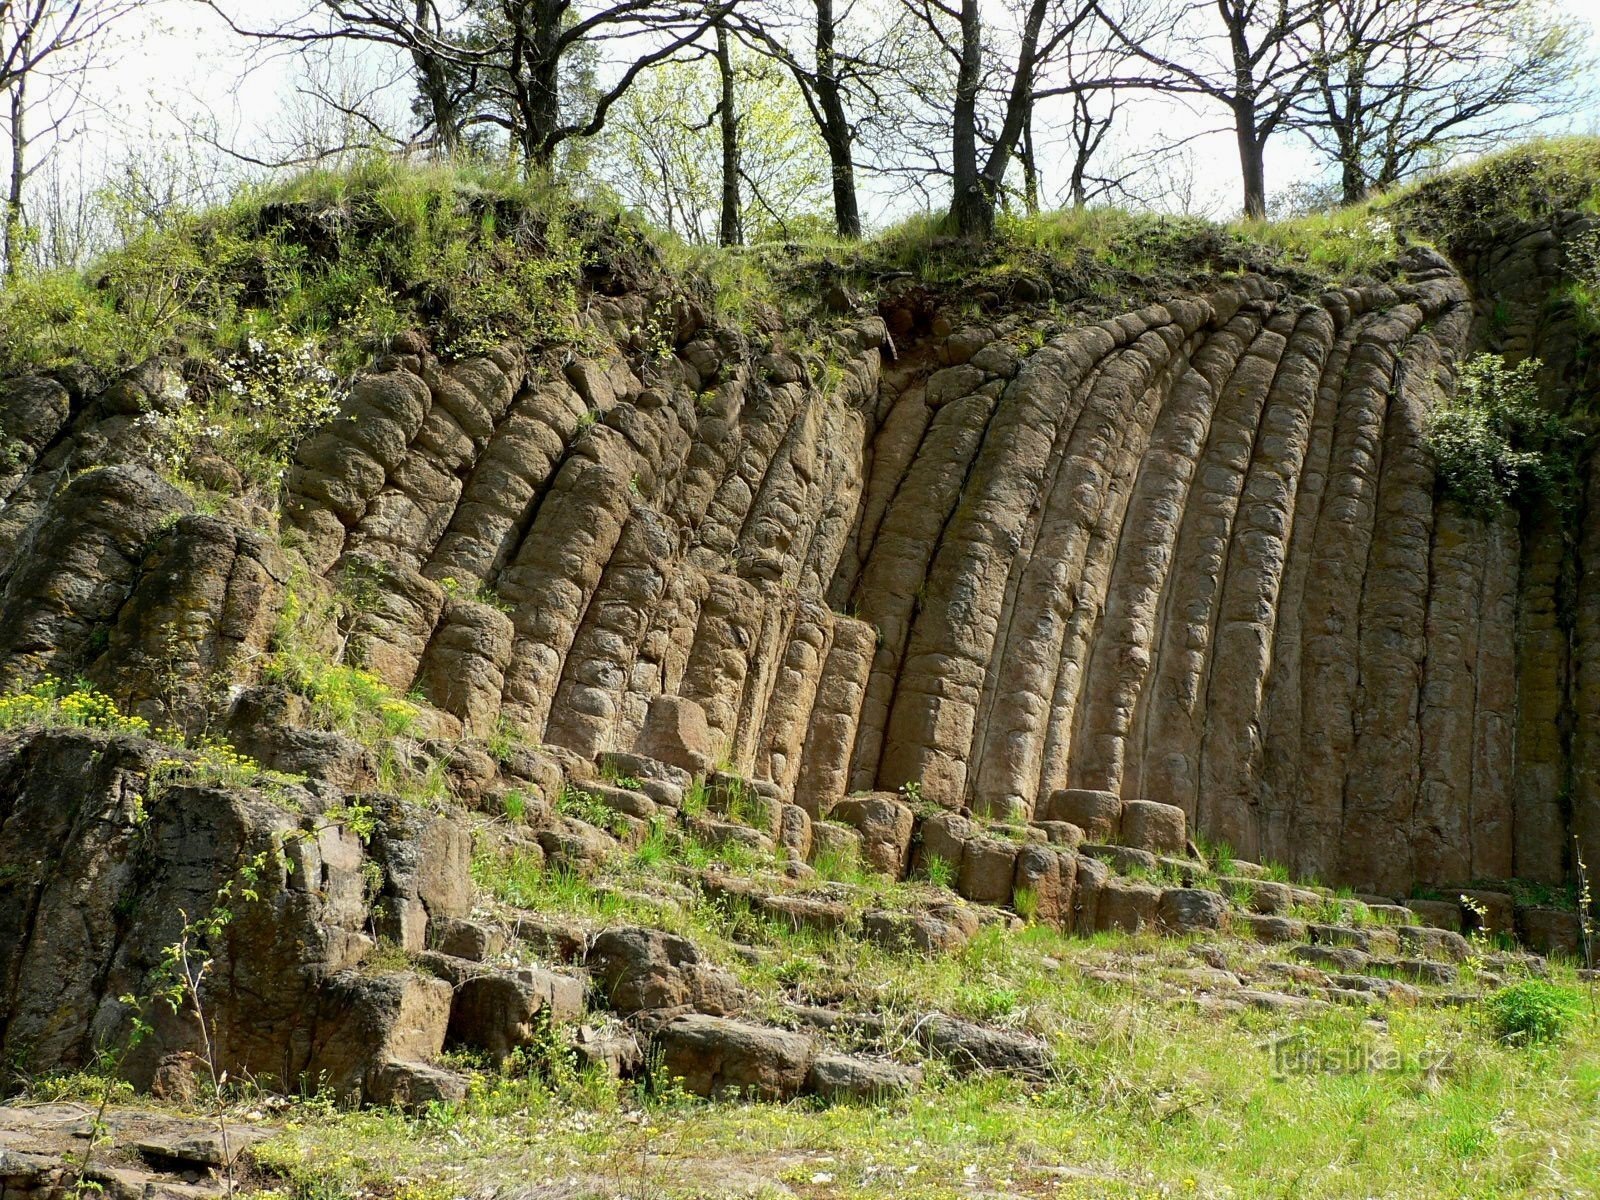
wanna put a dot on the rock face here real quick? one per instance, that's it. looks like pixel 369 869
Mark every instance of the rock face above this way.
pixel 1194 555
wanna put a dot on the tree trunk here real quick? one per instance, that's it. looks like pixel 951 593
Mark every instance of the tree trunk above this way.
pixel 433 85
pixel 729 232
pixel 836 133
pixel 1030 166
pixel 536 67
pixel 1252 164
pixel 972 206
pixel 19 154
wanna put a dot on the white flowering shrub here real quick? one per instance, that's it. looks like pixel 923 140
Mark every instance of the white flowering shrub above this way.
pixel 254 408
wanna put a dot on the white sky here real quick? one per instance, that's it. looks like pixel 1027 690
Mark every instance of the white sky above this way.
pixel 177 57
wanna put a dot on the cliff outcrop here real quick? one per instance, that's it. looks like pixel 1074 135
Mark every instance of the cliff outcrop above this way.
pixel 1193 553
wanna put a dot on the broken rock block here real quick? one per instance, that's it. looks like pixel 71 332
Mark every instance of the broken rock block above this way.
pixel 499 1011
pixel 718 1057
pixel 834 844
pixel 1127 906
pixel 611 1048
pixel 988 867
pixel 885 825
pixel 942 930
pixel 1041 888
pixel 1551 931
pixel 1158 828
pixel 1098 814
pixel 845 1078
pixel 794 832
pixel 412 1085
pixel 675 732
pixel 1440 914
pixel 477 941
pixel 1191 910
pixel 940 843
pixel 638 969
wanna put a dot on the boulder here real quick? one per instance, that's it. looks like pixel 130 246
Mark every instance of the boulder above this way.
pixel 1551 931
pixel 497 1012
pixel 413 1086
pixel 1440 914
pixel 1098 814
pixel 942 930
pixel 1127 906
pixel 637 969
pixel 970 1047
pixel 988 867
pixel 718 1057
pixel 1191 910
pixel 844 1078
pixel 835 845
pixel 1159 828
pixel 1043 883
pixel 944 837
pixel 676 733
pixel 885 825
pixel 475 940
pixel 794 831
pixel 1346 960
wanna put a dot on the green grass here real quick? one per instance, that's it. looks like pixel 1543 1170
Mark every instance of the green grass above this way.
pixel 1150 1102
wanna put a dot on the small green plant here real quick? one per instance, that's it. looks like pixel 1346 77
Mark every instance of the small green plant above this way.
pixel 514 804
pixel 586 807
pixel 940 871
pixel 1493 443
pixel 1533 1010
pixel 1025 901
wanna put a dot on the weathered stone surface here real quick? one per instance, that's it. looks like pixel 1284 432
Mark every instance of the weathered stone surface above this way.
pixel 1098 814
pixel 638 969
pixel 675 732
pixel 1126 906
pixel 885 825
pixel 1191 910
pixel 1440 914
pixel 498 1011
pixel 937 931
pixel 1551 931
pixel 715 1056
pixel 1159 828
pixel 988 867
pixel 969 1047
pixel 843 1078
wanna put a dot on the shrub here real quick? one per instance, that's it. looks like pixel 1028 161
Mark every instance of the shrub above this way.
pixel 1533 1010
pixel 1494 445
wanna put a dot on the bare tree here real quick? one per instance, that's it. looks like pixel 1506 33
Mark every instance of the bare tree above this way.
pixel 430 35
pixel 844 57
pixel 1247 55
pixel 1397 82
pixel 526 44
pixel 729 230
pixel 47 50
pixel 994 92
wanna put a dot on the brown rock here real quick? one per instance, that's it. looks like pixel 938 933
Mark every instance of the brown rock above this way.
pixel 885 825
pixel 988 867
pixel 675 732
pixel 1159 828
pixel 1098 814
pixel 718 1057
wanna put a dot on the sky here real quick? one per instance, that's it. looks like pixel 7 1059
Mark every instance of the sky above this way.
pixel 178 67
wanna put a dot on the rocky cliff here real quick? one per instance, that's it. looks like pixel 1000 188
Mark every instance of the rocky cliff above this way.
pixel 1193 553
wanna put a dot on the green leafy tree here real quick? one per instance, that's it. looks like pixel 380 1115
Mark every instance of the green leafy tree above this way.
pixel 670 167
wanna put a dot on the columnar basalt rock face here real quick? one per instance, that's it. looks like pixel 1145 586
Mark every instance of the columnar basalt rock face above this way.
pixel 1194 554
